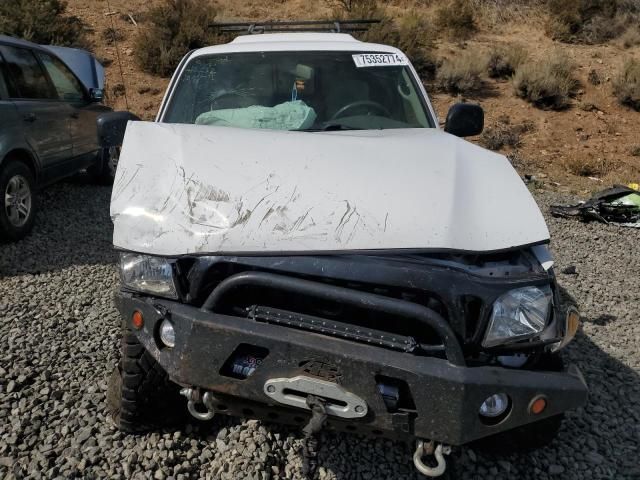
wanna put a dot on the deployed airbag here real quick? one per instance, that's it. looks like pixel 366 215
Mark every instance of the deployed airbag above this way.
pixel 295 115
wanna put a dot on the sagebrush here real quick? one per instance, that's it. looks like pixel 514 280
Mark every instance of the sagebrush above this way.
pixel 462 73
pixel 626 85
pixel 505 59
pixel 457 18
pixel 631 37
pixel 42 21
pixel 586 166
pixel 548 83
pixel 413 34
pixel 505 134
pixel 173 28
pixel 350 9
pixel 590 21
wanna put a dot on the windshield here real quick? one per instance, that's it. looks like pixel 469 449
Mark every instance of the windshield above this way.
pixel 310 91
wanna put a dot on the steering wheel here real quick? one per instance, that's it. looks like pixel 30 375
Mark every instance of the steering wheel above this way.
pixel 362 103
pixel 210 101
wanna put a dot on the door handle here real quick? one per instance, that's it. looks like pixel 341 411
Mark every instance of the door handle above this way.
pixel 30 117
pixel 75 115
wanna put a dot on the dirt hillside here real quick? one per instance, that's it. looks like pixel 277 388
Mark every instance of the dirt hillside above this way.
pixel 590 145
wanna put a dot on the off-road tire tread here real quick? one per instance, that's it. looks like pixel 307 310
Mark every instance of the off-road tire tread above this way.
pixel 144 396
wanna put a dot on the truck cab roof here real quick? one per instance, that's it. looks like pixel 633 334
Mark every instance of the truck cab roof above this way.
pixel 295 41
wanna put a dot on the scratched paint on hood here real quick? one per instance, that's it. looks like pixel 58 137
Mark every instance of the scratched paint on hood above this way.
pixel 188 189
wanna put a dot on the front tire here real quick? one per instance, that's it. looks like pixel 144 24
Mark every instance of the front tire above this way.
pixel 140 396
pixel 17 200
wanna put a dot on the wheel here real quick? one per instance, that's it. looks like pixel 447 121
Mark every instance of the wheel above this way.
pixel 17 200
pixel 140 396
pixel 104 171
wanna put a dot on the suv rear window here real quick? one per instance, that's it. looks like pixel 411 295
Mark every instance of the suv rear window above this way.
pixel 66 84
pixel 29 79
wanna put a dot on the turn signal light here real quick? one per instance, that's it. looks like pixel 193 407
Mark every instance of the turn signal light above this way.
pixel 137 320
pixel 538 405
pixel 572 324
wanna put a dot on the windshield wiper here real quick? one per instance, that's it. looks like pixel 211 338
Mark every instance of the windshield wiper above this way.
pixel 338 126
pixel 331 127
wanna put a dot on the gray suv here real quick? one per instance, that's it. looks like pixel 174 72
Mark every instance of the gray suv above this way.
pixel 47 130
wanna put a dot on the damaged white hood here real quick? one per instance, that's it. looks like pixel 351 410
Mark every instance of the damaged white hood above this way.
pixel 187 189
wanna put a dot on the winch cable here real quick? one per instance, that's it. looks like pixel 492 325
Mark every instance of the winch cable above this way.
pixel 311 441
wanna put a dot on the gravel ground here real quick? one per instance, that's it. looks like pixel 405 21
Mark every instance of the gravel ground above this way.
pixel 59 341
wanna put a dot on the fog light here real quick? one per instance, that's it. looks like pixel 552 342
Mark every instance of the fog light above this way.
pixel 495 405
pixel 167 334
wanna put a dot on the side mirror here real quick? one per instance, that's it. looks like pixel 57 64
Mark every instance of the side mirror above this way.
pixel 96 95
pixel 111 127
pixel 465 120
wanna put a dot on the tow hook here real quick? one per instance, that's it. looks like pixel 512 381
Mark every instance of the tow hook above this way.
pixel 194 397
pixel 430 449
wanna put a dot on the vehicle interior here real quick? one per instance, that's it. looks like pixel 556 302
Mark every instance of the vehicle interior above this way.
pixel 327 83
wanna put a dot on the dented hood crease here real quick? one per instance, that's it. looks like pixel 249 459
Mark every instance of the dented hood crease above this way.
pixel 187 189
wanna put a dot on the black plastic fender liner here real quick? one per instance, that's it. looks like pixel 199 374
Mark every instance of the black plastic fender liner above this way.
pixel 391 306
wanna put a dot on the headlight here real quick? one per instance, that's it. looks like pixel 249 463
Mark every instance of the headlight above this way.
pixel 148 274
pixel 518 314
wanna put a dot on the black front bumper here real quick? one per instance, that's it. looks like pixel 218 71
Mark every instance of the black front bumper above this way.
pixel 447 397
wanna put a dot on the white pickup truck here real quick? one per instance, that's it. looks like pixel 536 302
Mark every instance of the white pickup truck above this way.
pixel 302 243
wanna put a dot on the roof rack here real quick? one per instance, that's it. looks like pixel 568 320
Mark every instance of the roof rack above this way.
pixel 335 26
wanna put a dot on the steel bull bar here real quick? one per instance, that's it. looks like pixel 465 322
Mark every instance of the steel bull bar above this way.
pixel 447 393
pixel 321 291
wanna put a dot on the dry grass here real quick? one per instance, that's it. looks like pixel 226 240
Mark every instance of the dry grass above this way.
pixel 505 134
pixel 457 19
pixel 111 36
pixel 585 166
pixel 174 27
pixel 548 84
pixel 412 34
pixel 462 73
pixel 41 21
pixel 590 21
pixel 344 9
pixel 626 86
pixel 504 60
pixel 631 37
pixel 594 77
pixel 493 14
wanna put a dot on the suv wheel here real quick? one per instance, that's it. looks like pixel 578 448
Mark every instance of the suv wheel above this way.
pixel 140 395
pixel 17 200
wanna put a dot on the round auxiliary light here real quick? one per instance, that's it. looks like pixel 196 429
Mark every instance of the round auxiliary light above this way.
pixel 167 334
pixel 495 405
